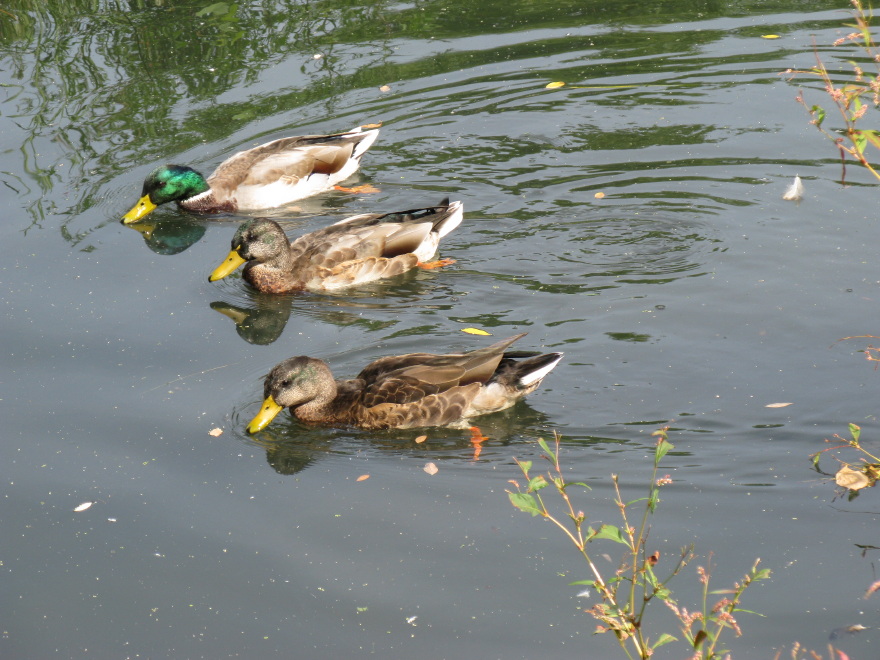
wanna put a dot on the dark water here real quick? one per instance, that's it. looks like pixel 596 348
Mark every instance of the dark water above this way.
pixel 690 295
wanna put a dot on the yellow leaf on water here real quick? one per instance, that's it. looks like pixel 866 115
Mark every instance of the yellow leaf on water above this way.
pixel 476 331
pixel 778 405
pixel 430 468
pixel 216 432
pixel 421 439
pixel 599 195
pixel 849 478
pixel 385 88
pixel 769 36
pixel 83 506
pixel 554 85
pixel 363 477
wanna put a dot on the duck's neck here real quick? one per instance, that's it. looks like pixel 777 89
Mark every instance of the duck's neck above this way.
pixel 277 275
pixel 322 409
pixel 207 202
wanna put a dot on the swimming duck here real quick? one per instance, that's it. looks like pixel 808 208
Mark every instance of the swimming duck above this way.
pixel 355 250
pixel 272 174
pixel 404 391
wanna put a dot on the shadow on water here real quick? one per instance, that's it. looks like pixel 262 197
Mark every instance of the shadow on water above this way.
pixel 291 446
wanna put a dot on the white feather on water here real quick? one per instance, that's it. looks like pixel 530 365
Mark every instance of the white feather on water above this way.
pixel 795 192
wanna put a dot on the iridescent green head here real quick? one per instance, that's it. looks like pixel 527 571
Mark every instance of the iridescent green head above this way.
pixel 168 183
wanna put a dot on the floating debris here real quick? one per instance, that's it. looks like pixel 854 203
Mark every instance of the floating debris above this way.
pixel 795 192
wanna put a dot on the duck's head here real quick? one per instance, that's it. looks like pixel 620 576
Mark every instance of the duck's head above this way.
pixel 294 382
pixel 256 240
pixel 168 183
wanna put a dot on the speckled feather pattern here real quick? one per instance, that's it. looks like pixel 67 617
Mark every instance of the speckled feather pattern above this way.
pixel 408 391
pixel 362 249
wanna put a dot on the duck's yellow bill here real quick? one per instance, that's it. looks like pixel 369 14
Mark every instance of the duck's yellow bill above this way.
pixel 140 210
pixel 233 260
pixel 267 413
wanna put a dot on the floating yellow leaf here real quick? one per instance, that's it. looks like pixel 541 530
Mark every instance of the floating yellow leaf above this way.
pixel 769 36
pixel 215 432
pixel 83 506
pixel 421 439
pixel 599 195
pixel 849 478
pixel 385 88
pixel 476 331
pixel 363 477
pixel 778 405
pixel 430 468
pixel 554 85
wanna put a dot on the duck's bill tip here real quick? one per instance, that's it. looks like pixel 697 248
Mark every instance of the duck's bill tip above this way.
pixel 267 413
pixel 140 210
pixel 232 261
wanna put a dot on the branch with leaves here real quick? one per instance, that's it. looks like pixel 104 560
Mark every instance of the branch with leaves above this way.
pixel 625 596
pixel 851 99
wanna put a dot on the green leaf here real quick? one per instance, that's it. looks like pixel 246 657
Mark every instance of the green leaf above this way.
pixel 663 448
pixel 663 593
pixel 819 111
pixel 860 141
pixel 543 444
pixel 739 609
pixel 873 138
pixel 611 532
pixel 665 638
pixel 855 431
pixel 589 583
pixel 525 466
pixel 537 483
pixel 525 502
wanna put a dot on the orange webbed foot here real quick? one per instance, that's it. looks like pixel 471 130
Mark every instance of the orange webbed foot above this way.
pixel 430 265
pixel 366 188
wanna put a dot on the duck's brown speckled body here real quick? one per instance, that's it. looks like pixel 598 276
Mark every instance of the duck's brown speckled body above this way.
pixel 405 391
pixel 356 250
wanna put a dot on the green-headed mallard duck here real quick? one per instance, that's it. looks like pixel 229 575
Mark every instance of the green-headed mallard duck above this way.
pixel 273 174
pixel 404 391
pixel 355 250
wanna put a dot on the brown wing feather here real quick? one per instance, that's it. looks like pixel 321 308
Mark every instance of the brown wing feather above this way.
pixel 434 410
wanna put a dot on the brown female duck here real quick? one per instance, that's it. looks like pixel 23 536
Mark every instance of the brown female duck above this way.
pixel 356 250
pixel 404 391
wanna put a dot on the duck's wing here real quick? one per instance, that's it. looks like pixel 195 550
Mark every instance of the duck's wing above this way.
pixel 367 247
pixel 290 168
pixel 436 373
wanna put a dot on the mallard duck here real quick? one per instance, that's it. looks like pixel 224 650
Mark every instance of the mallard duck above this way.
pixel 355 250
pixel 404 391
pixel 273 174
